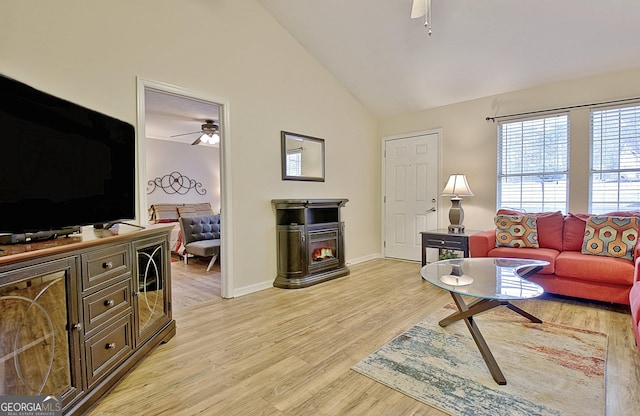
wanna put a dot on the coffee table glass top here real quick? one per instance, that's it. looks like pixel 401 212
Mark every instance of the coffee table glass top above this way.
pixel 487 278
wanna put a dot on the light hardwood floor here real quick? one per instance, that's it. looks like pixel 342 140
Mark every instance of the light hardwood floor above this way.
pixel 289 352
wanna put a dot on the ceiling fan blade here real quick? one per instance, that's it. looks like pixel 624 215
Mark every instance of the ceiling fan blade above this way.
pixel 197 141
pixel 186 134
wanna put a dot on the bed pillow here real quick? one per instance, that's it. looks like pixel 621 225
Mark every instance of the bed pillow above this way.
pixel 516 231
pixel 164 213
pixel 196 210
pixel 610 236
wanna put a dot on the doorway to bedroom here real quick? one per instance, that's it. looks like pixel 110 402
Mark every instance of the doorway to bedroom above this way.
pixel 182 173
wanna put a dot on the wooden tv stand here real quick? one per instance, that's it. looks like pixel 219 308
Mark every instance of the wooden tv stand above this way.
pixel 79 312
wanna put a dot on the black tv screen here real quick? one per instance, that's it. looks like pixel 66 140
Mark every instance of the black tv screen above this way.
pixel 62 165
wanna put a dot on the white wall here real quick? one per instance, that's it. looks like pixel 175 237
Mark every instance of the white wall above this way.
pixel 469 143
pixel 92 52
pixel 200 164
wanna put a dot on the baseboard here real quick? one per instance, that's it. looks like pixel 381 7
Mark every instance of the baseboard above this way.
pixel 364 258
pixel 241 291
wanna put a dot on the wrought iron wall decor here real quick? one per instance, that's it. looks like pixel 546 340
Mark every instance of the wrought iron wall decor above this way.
pixel 175 183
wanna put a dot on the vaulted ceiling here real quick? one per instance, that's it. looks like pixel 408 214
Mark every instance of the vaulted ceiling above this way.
pixel 478 47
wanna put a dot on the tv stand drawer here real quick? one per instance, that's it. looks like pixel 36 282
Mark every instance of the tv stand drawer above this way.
pixel 101 266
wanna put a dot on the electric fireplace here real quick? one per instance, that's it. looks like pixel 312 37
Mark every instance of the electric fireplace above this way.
pixel 310 241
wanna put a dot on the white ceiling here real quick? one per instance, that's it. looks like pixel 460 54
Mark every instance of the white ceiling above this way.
pixel 478 47
pixel 167 115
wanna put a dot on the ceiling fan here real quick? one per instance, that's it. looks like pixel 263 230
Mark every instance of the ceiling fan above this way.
pixel 210 133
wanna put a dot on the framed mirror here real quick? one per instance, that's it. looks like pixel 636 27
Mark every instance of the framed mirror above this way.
pixel 302 157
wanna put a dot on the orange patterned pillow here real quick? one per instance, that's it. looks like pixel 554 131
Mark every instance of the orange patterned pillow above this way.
pixel 611 236
pixel 516 231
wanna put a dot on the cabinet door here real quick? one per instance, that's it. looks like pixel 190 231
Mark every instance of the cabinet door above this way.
pixel 292 252
pixel 39 331
pixel 152 283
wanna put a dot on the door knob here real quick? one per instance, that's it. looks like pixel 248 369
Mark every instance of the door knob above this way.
pixel 433 209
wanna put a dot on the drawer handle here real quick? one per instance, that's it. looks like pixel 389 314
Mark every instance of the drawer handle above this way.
pixel 110 346
pixel 442 242
pixel 107 265
pixel 109 302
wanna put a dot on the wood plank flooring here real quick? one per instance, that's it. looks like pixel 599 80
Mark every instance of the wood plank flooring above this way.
pixel 289 352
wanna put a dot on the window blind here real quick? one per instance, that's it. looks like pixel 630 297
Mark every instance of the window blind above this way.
pixel 533 159
pixel 615 160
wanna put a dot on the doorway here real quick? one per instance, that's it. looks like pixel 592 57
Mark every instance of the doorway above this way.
pixel 196 100
pixel 410 192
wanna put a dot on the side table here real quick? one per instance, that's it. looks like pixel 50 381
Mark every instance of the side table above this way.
pixel 443 239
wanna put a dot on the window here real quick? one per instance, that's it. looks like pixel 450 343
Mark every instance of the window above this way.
pixel 533 164
pixel 615 160
pixel 294 162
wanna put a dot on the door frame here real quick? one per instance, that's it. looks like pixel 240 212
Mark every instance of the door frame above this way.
pixel 226 226
pixel 383 181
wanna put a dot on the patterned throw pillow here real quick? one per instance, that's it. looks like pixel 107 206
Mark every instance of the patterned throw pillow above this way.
pixel 516 231
pixel 611 236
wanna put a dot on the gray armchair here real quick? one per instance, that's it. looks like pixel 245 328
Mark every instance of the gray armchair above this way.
pixel 201 237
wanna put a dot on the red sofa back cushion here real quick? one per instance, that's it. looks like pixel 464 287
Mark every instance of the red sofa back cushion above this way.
pixel 574 225
pixel 550 226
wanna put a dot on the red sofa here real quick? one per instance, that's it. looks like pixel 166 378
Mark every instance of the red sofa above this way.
pixel 569 272
pixel 634 302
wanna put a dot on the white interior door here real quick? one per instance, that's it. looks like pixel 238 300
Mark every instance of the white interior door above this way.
pixel 411 193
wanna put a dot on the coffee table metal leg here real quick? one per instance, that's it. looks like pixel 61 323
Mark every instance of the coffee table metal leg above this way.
pixel 489 359
pixel 468 311
pixel 523 313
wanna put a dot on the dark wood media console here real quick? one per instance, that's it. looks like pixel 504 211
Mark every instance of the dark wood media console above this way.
pixel 79 312
pixel 310 241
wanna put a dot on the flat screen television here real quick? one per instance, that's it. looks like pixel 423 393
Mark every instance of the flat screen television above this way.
pixel 62 165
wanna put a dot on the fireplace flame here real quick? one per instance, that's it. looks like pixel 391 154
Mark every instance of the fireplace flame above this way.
pixel 323 253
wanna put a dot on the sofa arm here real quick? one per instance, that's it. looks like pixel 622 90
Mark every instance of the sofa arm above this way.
pixel 636 256
pixel 480 243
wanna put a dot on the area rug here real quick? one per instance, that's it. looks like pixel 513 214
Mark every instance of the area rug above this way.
pixel 550 369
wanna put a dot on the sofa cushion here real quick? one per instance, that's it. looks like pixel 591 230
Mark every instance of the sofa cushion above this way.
pixel 550 226
pixel 573 264
pixel 573 233
pixel 547 254
pixel 516 231
pixel 610 236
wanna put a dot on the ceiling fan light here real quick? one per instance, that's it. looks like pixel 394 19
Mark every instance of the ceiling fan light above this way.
pixel 215 138
pixel 204 138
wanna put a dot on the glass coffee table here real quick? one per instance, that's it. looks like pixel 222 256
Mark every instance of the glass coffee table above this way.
pixel 493 282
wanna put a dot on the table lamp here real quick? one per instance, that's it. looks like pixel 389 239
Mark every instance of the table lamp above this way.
pixel 456 187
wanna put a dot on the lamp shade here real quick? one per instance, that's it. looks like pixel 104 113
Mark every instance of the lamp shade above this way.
pixel 457 186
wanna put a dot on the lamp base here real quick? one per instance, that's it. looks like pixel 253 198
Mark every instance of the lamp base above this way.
pixel 456 229
pixel 456 216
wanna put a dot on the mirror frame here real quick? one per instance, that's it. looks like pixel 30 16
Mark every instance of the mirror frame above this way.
pixel 284 135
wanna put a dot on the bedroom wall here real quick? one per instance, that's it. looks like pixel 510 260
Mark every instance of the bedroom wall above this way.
pixel 199 163
pixel 91 53
pixel 469 142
